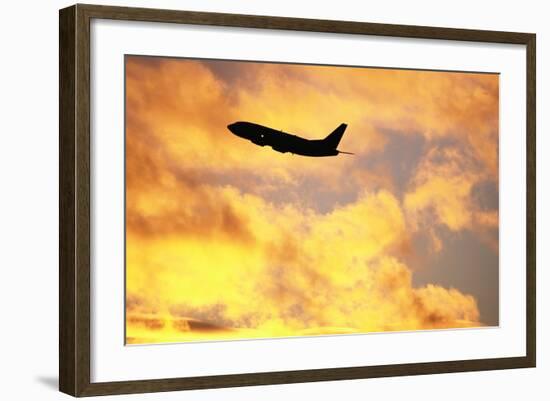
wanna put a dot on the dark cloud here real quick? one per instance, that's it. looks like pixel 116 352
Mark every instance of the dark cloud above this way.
pixel 464 263
pixel 208 316
pixel 400 156
pixel 485 195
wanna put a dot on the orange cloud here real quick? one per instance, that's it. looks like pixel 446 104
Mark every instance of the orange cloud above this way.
pixel 229 240
pixel 300 273
pixel 441 193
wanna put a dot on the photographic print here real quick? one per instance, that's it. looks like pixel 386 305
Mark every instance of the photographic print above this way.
pixel 268 200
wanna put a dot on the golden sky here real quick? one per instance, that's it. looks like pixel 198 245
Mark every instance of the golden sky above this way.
pixel 226 239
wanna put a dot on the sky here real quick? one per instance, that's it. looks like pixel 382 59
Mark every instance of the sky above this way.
pixel 229 240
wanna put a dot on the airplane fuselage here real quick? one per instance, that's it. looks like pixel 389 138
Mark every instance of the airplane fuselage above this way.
pixel 282 141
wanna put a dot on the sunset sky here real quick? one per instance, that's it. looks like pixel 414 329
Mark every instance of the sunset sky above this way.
pixel 229 240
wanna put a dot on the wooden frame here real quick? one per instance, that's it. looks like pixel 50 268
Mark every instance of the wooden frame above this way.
pixel 74 199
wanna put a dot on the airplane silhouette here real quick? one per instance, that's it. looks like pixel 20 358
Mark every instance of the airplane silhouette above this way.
pixel 283 142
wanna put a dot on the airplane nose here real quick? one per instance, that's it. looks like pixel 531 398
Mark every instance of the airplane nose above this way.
pixel 233 128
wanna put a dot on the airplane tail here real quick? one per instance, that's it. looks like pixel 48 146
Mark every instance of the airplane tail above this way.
pixel 333 139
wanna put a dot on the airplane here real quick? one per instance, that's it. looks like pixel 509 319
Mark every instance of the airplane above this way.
pixel 284 142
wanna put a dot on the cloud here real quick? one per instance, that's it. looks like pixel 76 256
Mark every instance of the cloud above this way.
pixel 229 240
pixel 300 271
pixel 451 189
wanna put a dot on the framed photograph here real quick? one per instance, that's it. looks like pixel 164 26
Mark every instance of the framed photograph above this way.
pixel 250 200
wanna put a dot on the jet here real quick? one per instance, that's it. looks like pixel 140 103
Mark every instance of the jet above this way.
pixel 288 143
